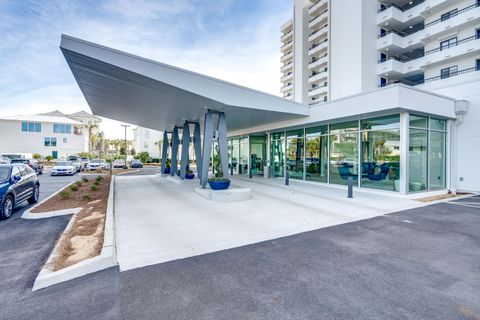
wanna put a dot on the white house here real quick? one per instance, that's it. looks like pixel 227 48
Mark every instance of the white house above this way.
pixel 147 140
pixel 53 133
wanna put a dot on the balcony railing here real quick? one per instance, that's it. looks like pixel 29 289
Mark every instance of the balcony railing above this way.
pixel 318 15
pixel 286 44
pixel 450 16
pixel 320 29
pixel 440 77
pixel 401 8
pixel 441 48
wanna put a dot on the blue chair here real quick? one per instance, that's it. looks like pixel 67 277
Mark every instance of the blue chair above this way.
pixel 384 170
pixel 344 171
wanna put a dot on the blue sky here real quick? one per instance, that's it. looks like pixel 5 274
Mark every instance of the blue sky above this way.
pixel 234 40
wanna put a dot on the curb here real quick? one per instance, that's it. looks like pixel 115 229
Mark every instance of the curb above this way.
pixel 107 258
pixel 28 214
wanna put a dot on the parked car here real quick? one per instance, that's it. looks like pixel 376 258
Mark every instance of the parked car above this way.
pixel 18 183
pixel 32 163
pixel 77 162
pixel 96 164
pixel 136 164
pixel 21 155
pixel 119 163
pixel 5 160
pixel 62 168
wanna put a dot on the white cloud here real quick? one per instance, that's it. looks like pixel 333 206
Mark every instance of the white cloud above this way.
pixel 35 78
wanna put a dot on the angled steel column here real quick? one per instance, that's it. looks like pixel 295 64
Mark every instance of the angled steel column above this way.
pixel 197 144
pixel 207 148
pixel 175 143
pixel 222 142
pixel 185 161
pixel 164 151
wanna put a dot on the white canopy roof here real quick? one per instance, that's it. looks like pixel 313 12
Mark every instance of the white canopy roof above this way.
pixel 150 94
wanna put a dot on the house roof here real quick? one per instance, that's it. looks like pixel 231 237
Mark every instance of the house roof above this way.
pixel 42 118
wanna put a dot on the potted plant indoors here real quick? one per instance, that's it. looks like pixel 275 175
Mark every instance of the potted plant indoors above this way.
pixel 189 174
pixel 219 182
pixel 166 170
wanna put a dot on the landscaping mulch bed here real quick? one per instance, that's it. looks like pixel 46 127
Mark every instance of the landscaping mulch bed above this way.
pixel 85 239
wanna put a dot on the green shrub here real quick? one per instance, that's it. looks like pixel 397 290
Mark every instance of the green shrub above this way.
pixel 64 194
pixel 74 187
pixel 79 183
pixel 94 188
pixel 96 183
pixel 85 179
pixel 99 178
pixel 86 197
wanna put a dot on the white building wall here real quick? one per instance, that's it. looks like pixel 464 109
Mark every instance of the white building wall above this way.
pixel 353 54
pixel 300 59
pixel 468 135
pixel 145 139
pixel 14 140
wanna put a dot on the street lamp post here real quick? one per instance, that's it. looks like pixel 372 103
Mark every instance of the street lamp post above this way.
pixel 125 148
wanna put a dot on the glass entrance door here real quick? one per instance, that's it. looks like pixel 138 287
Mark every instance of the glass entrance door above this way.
pixel 258 154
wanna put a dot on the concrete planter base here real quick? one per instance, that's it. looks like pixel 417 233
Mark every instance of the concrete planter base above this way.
pixel 228 195
pixel 106 259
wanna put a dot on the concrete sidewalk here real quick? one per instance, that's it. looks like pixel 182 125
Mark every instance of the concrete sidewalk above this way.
pixel 158 220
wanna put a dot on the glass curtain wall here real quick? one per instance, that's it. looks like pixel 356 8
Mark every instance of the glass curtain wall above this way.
pixel 295 153
pixel 257 154
pixel 437 155
pixel 277 153
pixel 316 154
pixel 235 155
pixel 380 156
pixel 427 154
pixel 343 152
pixel 243 160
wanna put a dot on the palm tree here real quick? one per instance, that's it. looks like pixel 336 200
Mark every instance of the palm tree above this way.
pixel 91 136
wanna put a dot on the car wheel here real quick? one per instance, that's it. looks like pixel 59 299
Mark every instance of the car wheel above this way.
pixel 35 195
pixel 7 208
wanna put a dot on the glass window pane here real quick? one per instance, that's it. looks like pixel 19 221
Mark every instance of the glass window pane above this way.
pixel 316 159
pixel 343 157
pixel 380 165
pixel 243 168
pixel 418 121
pixel 343 127
pixel 277 135
pixel 47 142
pixel 56 128
pixel 295 133
pixel 437 160
pixel 25 126
pixel 62 128
pixel 68 128
pixel 437 124
pixel 38 127
pixel 31 127
pixel 257 154
pixel 277 157
pixel 295 158
pixel 417 160
pixel 54 142
pixel 235 155
pixel 316 130
pixel 381 123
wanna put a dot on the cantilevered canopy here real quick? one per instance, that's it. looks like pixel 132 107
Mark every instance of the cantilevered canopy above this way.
pixel 132 89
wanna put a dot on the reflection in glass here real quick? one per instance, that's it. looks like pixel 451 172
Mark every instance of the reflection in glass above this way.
pixel 343 157
pixel 235 155
pixel 418 121
pixel 417 160
pixel 277 157
pixel 243 163
pixel 437 160
pixel 316 159
pixel 380 165
pixel 295 157
pixel 257 154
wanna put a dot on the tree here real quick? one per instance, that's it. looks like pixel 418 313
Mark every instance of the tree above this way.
pixel 49 158
pixel 133 152
pixel 36 156
pixel 144 156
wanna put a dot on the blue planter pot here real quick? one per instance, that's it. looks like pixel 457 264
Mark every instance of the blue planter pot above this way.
pixel 166 170
pixel 219 185
pixel 189 176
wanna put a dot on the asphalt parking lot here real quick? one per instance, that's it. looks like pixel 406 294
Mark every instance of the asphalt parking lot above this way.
pixel 421 263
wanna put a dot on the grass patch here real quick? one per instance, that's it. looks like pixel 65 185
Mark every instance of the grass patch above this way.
pixel 98 179
pixel 86 197
pixel 74 187
pixel 94 188
pixel 85 179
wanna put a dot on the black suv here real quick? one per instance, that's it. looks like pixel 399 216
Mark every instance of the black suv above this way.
pixel 32 163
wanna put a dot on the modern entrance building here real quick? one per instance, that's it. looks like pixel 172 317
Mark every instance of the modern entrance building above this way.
pixel 397 139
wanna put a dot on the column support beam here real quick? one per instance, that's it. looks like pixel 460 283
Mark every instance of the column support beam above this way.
pixel 165 145
pixel 185 161
pixel 197 144
pixel 222 143
pixel 207 148
pixel 175 143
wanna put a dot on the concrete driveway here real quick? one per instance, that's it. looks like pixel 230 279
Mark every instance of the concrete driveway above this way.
pixel 158 220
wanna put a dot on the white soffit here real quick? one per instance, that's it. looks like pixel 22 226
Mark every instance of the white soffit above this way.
pixel 150 94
